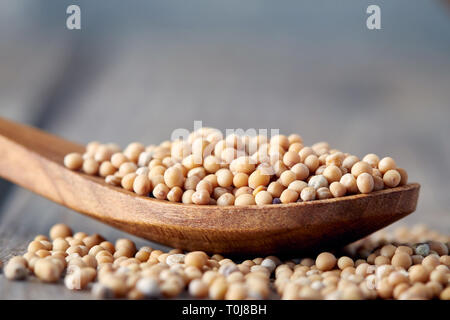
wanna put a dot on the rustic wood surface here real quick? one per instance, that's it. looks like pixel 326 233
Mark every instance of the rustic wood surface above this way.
pixel 327 79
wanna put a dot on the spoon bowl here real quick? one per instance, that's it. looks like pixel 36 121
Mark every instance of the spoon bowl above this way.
pixel 33 159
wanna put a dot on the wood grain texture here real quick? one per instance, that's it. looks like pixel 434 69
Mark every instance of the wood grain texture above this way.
pixel 34 160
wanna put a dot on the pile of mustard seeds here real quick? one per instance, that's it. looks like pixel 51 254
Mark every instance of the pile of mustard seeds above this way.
pixel 207 168
pixel 410 263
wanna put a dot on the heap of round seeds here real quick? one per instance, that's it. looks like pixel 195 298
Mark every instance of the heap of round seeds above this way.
pixel 410 264
pixel 209 169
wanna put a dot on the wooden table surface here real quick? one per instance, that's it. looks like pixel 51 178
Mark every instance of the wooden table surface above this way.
pixel 385 92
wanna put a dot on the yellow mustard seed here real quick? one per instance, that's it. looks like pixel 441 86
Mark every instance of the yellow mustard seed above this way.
pixel 361 167
pixel 226 199
pixel 372 159
pixel 157 170
pixel 117 159
pixel 392 178
pixel 173 177
pixel 430 262
pixel 103 153
pixel 287 177
pixel 349 161
pixel 16 268
pixel 224 178
pixel 297 186
pixel 106 169
pixel 295 138
pixel 323 193
pixel 308 194
pixel 157 180
pixel 258 178
pixel 205 185
pixel 291 158
pixel 258 189
pixel 60 231
pixel 418 273
pixel 344 262
pixel 378 183
pixel 301 171
pixel 349 182
pixel 133 150
pixel 128 181
pixel 160 191
pixel 73 161
pixel 288 196
pixel 201 197
pixel 275 189
pixel 332 173
pixel 142 185
pixel 242 190
pixel 335 158
pixel 198 289
pixel 401 259
pixel 212 179
pixel 403 175
pixel 312 162
pixel 244 164
pixel 325 261
pixel 386 164
pixel 240 179
pixel 388 250
pixel 305 152
pixel 264 197
pixel 47 271
pixel 126 168
pixel 113 180
pixel 318 181
pixel 244 200
pixel 191 182
pixel 187 197
pixel 175 194
pixel 90 166
pixel 295 147
pixel 365 182
pixel 211 164
pixel 337 189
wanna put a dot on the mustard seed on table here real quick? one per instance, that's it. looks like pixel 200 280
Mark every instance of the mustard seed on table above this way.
pixel 207 160
pixel 16 268
pixel 380 266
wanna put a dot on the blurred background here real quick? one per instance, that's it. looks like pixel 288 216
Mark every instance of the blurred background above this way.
pixel 139 69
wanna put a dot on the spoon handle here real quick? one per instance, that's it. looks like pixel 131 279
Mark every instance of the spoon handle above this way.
pixel 33 158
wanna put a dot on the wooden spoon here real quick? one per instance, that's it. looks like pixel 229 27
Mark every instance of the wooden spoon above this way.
pixel 33 159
